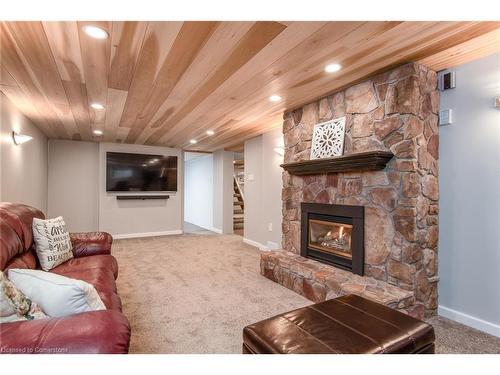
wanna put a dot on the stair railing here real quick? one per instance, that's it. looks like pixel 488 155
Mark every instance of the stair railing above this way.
pixel 239 188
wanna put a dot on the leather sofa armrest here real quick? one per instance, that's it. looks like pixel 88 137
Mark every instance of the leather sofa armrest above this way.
pixel 96 332
pixel 91 243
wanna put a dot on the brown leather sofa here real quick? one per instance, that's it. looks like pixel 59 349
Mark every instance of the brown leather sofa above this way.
pixel 106 331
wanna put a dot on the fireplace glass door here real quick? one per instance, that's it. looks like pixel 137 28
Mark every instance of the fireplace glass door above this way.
pixel 330 237
pixel 333 234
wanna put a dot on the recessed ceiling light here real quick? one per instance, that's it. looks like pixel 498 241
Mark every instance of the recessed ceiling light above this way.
pixel 331 68
pixel 95 32
pixel 210 132
pixel 275 98
pixel 97 132
pixel 193 141
pixel 97 105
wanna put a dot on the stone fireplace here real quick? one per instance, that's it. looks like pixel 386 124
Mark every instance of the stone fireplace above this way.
pixel 394 111
pixel 333 234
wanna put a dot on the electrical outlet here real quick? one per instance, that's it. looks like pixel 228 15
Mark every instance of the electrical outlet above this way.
pixel 445 117
pixel 250 177
pixel 270 227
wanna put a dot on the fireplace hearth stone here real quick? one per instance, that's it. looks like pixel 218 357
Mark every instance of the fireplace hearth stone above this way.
pixel 319 282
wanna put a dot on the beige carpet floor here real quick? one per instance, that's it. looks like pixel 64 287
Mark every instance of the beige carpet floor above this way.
pixel 194 293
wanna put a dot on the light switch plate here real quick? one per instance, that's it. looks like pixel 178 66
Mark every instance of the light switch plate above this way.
pixel 445 117
pixel 270 227
pixel 250 177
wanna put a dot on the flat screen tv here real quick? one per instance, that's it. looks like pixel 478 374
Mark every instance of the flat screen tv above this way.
pixel 140 172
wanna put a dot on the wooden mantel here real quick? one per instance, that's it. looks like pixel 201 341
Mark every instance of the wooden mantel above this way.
pixel 363 161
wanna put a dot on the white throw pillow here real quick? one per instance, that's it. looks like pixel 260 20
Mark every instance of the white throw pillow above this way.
pixel 14 305
pixel 52 242
pixel 57 295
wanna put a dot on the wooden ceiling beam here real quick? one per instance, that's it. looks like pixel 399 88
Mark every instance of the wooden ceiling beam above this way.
pixel 96 56
pixel 17 67
pixel 481 46
pixel 187 44
pixel 76 93
pixel 255 100
pixel 158 40
pixel 5 77
pixel 126 43
pixel 291 75
pixel 65 46
pixel 227 98
pixel 249 95
pixel 34 49
pixel 223 40
pixel 254 40
pixel 163 85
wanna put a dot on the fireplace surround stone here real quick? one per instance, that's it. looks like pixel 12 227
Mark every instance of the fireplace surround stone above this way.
pixel 395 111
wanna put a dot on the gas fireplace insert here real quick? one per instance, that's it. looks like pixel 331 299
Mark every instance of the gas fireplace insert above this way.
pixel 333 234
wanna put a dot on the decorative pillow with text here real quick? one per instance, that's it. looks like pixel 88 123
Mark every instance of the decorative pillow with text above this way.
pixel 52 242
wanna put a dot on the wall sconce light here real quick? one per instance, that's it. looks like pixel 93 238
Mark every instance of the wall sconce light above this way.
pixel 19 139
pixel 279 150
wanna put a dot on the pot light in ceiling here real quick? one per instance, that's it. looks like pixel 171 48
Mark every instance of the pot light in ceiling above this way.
pixel 275 98
pixel 193 141
pixel 210 132
pixel 97 132
pixel 332 68
pixel 95 32
pixel 19 139
pixel 97 106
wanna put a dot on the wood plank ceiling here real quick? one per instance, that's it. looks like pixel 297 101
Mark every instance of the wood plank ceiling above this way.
pixel 164 83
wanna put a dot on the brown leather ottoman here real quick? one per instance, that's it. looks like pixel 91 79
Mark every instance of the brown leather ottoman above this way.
pixel 345 325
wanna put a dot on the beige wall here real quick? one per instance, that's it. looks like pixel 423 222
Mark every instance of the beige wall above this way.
pixel 73 184
pixel 223 191
pixel 263 186
pixel 272 185
pixel 469 166
pixel 253 225
pixel 23 168
pixel 129 218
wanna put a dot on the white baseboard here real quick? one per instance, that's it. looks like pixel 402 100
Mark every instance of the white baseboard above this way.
pixel 471 321
pixel 256 244
pixel 211 229
pixel 147 234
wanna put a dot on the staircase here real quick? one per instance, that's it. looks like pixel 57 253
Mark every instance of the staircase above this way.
pixel 238 203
